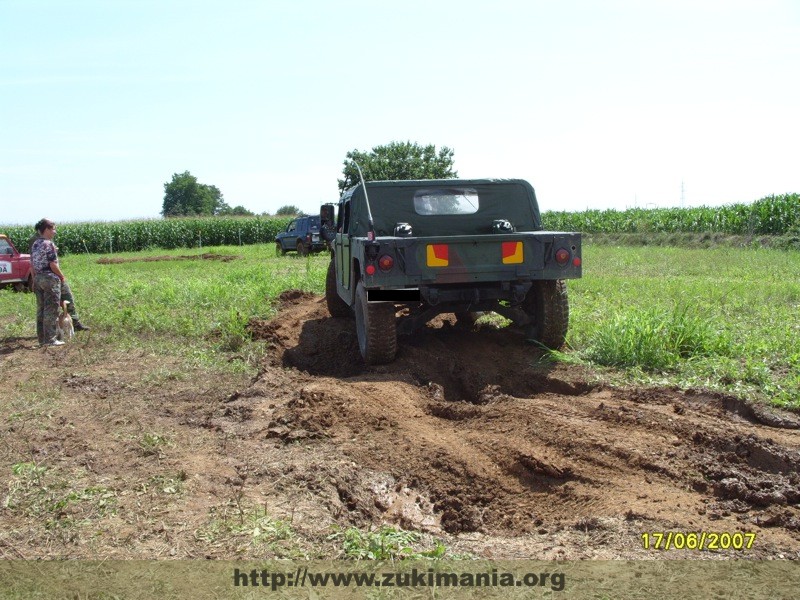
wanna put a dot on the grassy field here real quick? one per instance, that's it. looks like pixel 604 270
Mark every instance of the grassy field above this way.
pixel 187 307
pixel 725 318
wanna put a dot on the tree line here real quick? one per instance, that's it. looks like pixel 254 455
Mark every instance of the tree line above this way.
pixel 185 196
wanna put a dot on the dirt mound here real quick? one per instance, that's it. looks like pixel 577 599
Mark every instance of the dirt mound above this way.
pixel 470 431
pixel 206 256
pixel 468 437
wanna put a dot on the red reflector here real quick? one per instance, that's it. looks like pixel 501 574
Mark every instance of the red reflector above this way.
pixel 438 255
pixel 370 269
pixel 576 261
pixel 386 262
pixel 562 257
pixel 512 253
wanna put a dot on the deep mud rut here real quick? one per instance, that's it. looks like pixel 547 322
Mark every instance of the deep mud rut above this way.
pixel 467 437
pixel 467 433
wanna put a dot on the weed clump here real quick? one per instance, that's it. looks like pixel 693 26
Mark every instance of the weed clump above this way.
pixel 656 340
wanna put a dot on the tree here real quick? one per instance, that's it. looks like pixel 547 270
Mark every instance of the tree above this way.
pixel 184 196
pixel 398 160
pixel 236 211
pixel 288 211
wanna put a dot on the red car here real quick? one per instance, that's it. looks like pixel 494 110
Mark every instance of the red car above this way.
pixel 15 268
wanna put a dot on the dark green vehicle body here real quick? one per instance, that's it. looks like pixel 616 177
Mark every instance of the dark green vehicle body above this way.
pixel 454 245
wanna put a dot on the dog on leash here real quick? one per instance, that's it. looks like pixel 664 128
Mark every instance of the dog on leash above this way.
pixel 65 330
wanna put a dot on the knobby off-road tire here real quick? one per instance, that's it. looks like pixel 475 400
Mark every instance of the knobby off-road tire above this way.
pixel 336 306
pixel 548 307
pixel 302 250
pixel 376 327
pixel 279 251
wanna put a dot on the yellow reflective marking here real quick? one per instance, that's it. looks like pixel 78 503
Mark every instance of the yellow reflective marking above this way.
pixel 442 260
pixel 515 257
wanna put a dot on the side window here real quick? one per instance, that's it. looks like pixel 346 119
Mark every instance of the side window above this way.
pixel 5 248
pixel 340 217
pixel 346 218
pixel 292 226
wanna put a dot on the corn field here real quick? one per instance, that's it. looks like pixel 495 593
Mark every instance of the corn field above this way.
pixel 133 236
pixel 773 215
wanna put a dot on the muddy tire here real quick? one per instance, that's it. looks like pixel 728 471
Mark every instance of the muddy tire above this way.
pixel 279 251
pixel 548 307
pixel 336 306
pixel 302 250
pixel 376 327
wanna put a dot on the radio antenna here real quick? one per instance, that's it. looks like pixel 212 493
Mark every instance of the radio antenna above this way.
pixel 370 223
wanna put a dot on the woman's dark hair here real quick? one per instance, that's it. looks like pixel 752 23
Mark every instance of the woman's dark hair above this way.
pixel 44 224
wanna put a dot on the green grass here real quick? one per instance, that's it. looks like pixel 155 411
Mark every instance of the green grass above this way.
pixel 385 543
pixel 241 528
pixel 198 309
pixel 721 318
pixel 725 318
pixel 655 339
pixel 48 495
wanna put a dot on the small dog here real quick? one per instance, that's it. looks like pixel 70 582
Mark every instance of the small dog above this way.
pixel 64 329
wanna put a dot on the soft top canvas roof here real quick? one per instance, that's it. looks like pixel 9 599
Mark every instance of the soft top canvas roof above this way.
pixel 392 202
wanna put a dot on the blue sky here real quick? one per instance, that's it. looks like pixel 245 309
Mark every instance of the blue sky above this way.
pixel 605 104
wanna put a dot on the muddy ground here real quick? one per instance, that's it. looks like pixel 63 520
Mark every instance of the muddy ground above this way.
pixel 466 438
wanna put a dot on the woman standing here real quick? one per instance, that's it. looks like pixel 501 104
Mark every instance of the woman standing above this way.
pixel 47 283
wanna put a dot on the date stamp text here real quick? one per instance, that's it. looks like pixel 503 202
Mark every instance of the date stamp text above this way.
pixel 698 540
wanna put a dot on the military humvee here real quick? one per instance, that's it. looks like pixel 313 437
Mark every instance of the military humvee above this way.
pixel 446 246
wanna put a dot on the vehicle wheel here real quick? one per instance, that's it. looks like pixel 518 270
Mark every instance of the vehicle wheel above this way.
pixel 376 327
pixel 279 251
pixel 302 250
pixel 548 307
pixel 336 306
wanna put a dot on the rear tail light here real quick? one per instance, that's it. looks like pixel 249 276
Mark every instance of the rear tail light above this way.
pixel 562 257
pixel 385 263
pixel 370 270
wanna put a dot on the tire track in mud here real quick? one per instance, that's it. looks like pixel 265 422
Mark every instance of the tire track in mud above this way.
pixel 478 436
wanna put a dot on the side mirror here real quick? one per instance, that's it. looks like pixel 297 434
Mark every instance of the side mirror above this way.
pixel 327 215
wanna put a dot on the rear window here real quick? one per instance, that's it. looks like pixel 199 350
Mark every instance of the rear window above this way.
pixel 446 201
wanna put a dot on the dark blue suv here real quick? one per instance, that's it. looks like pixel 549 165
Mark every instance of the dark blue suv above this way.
pixel 302 235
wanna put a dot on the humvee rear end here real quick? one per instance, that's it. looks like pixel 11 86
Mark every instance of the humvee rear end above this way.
pixel 446 246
